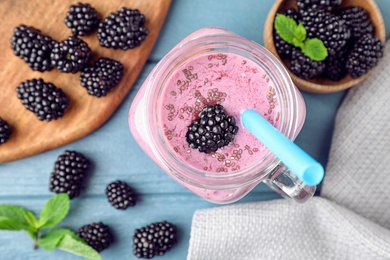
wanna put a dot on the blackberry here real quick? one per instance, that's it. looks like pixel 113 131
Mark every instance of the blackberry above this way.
pixel 33 47
pixel 120 195
pixel 357 20
pixel 310 17
pixel 69 173
pixel 5 131
pixel 97 235
pixel 45 100
pixel 327 5
pixel 154 240
pixel 365 55
pixel 292 13
pixel 335 68
pixel 304 67
pixel 213 129
pixel 100 78
pixel 329 28
pixel 70 55
pixel 124 29
pixel 282 47
pixel 82 19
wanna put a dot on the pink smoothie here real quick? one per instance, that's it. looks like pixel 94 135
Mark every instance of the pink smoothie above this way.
pixel 231 80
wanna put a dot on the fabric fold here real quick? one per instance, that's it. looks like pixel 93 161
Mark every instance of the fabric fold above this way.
pixel 282 229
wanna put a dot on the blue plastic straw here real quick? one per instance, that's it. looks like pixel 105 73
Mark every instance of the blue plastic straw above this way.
pixel 298 161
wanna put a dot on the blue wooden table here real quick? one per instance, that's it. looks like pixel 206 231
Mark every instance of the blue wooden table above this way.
pixel 115 154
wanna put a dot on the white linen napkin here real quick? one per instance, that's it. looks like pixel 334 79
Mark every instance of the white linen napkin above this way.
pixel 351 219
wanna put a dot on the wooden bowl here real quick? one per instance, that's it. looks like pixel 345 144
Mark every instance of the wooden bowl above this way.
pixel 321 85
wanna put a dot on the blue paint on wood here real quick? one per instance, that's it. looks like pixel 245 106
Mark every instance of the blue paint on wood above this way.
pixel 116 155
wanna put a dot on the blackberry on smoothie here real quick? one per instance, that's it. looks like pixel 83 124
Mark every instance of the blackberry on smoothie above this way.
pixel 201 111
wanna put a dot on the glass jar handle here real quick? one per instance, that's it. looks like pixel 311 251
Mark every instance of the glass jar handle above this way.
pixel 284 182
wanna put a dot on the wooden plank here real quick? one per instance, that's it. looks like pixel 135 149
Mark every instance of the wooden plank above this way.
pixel 85 113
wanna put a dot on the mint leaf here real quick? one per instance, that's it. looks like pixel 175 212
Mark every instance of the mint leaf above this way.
pixel 50 240
pixel 31 219
pixel 300 32
pixel 19 214
pixel 286 27
pixel 76 246
pixel 297 43
pixel 54 211
pixel 295 34
pixel 13 224
pixel 314 49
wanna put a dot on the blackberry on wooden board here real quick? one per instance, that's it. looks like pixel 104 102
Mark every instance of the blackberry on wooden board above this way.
pixel 124 29
pixel 45 100
pixel 101 77
pixel 29 44
pixel 70 55
pixel 5 131
pixel 82 19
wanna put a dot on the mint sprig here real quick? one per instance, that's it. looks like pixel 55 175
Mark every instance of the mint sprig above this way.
pixel 295 34
pixel 54 211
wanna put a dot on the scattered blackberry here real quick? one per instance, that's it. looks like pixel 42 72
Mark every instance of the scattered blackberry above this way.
pixel 212 130
pixel 120 195
pixel 70 55
pixel 365 55
pixel 282 47
pixel 45 100
pixel 357 20
pixel 33 47
pixel 124 29
pixel 304 67
pixel 5 131
pixel 327 5
pixel 69 172
pixel 100 78
pixel 82 19
pixel 329 28
pixel 154 239
pixel 335 68
pixel 97 235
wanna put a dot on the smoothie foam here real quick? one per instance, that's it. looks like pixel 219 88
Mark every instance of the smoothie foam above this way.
pixel 229 79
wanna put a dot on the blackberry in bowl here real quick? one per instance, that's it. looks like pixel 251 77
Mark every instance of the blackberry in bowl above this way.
pixel 339 25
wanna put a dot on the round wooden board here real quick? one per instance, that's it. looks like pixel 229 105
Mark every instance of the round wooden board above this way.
pixel 85 113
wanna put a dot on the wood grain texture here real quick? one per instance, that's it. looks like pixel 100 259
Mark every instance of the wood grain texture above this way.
pixel 321 85
pixel 85 113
